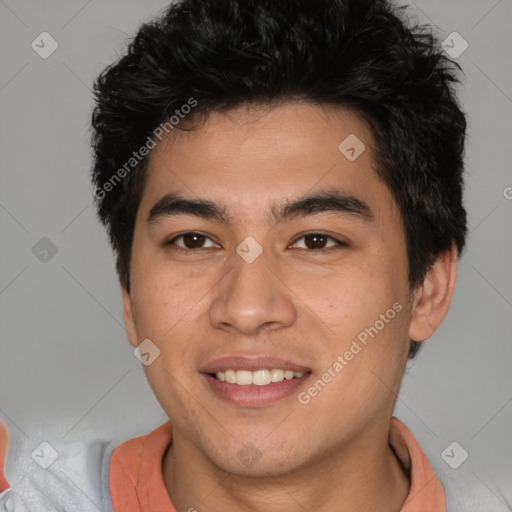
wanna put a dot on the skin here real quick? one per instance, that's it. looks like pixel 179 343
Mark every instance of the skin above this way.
pixel 293 302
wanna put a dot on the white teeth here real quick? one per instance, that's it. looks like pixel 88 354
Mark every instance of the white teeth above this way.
pixel 258 378
pixel 243 377
pixel 276 375
pixel 230 376
pixel 261 377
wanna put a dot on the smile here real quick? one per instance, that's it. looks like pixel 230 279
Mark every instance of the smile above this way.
pixel 258 378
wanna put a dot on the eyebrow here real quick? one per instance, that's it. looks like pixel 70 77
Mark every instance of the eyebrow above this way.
pixel 326 201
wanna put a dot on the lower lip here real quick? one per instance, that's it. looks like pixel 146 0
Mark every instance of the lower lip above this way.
pixel 252 395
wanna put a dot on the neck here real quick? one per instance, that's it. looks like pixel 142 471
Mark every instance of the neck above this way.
pixel 365 476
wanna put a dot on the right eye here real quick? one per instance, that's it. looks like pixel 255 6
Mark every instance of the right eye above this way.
pixel 191 241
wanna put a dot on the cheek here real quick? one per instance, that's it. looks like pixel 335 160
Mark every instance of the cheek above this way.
pixel 165 297
pixel 352 297
pixel 166 306
pixel 366 311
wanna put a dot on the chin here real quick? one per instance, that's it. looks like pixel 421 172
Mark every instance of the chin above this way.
pixel 252 461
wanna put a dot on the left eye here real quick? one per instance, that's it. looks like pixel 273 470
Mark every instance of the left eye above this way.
pixel 316 241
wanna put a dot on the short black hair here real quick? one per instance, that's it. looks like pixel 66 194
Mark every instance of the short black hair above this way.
pixel 361 54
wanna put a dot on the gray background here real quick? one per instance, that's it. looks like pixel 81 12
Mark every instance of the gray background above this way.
pixel 66 369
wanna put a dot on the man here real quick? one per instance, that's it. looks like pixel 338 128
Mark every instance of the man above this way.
pixel 282 185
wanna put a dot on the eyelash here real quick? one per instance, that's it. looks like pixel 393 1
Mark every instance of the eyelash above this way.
pixel 313 233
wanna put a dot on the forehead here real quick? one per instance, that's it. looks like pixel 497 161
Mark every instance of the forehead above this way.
pixel 288 130
pixel 253 155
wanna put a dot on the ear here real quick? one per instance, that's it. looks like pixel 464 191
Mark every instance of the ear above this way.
pixel 432 299
pixel 129 322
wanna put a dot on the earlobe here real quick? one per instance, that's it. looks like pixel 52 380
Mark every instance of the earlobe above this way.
pixel 129 322
pixel 432 299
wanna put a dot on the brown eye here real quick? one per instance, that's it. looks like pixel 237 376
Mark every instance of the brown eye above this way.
pixel 318 241
pixel 315 241
pixel 190 241
pixel 193 240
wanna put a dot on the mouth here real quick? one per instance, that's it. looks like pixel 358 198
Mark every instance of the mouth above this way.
pixel 262 377
pixel 254 382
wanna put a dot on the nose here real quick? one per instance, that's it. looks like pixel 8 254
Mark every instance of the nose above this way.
pixel 252 297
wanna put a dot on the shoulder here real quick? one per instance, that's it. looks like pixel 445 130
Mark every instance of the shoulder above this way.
pixel 54 475
pixel 464 487
pixel 465 492
pixel 136 472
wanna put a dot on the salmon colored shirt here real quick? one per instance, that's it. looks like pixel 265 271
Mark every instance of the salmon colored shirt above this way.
pixel 136 482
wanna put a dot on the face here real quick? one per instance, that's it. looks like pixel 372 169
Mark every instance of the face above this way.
pixel 263 278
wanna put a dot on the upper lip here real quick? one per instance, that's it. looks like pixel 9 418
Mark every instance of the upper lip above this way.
pixel 251 364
